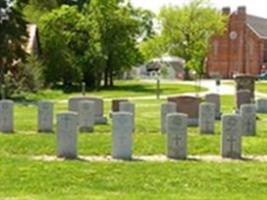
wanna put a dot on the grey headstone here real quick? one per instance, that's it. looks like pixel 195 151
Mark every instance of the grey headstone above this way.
pixel 215 99
pixel 177 136
pixel 6 116
pixel 261 105
pixel 166 108
pixel 86 114
pixel 122 126
pixel 45 116
pixel 206 118
pixel 128 107
pixel 231 136
pixel 248 114
pixel 99 107
pixel 67 124
pixel 243 97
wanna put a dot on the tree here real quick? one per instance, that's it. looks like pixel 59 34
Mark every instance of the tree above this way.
pixel 185 32
pixel 13 35
pixel 120 26
pixel 57 34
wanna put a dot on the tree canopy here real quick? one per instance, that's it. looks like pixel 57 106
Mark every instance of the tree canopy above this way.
pixel 101 39
pixel 13 34
pixel 185 32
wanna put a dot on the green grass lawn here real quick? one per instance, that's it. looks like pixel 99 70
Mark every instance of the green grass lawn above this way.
pixel 21 177
pixel 261 86
pixel 121 89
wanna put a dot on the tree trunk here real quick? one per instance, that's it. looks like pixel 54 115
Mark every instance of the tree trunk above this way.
pixel 111 77
pixel 186 74
pixel 106 76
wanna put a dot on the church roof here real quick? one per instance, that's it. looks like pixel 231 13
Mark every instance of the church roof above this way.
pixel 258 24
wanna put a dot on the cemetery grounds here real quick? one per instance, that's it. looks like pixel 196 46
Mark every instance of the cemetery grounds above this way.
pixel 22 176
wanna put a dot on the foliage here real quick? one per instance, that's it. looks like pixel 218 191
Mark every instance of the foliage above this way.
pixel 57 34
pixel 101 39
pixel 15 74
pixel 185 32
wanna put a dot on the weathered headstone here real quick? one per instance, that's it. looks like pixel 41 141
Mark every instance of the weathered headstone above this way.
pixel 99 107
pixel 166 108
pixel 67 124
pixel 248 114
pixel 128 107
pixel 231 136
pixel 177 136
pixel 115 107
pixel 243 97
pixel 206 118
pixel 6 116
pixel 86 114
pixel 188 105
pixel 246 82
pixel 215 99
pixel 261 105
pixel 45 116
pixel 122 126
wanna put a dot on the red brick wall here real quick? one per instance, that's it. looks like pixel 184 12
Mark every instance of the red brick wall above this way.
pixel 241 54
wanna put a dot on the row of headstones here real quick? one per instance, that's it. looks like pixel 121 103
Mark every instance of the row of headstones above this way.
pixel 206 120
pixel 122 130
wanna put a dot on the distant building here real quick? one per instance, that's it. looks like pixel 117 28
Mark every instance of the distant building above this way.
pixel 242 49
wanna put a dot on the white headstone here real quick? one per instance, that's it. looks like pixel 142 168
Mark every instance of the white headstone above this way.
pixel 128 107
pixel 166 108
pixel 6 116
pixel 86 116
pixel 45 116
pixel 122 126
pixel 177 136
pixel 206 118
pixel 261 105
pixel 67 124
pixel 248 114
pixel 231 136
pixel 215 99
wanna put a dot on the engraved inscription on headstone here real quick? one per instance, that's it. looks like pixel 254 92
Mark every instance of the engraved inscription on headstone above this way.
pixel 67 124
pixel 86 116
pixel 231 136
pixel 176 136
pixel 45 116
pixel 166 108
pixel 6 116
pixel 248 114
pixel 122 126
pixel 206 118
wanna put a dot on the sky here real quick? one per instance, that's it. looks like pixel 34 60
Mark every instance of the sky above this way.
pixel 254 7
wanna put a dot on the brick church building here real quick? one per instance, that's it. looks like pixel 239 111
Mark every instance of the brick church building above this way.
pixel 242 49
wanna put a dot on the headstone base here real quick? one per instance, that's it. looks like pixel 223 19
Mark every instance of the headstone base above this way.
pixel 86 129
pixel 101 120
pixel 192 122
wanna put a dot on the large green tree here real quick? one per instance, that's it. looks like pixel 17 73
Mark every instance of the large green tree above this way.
pixel 98 41
pixel 185 31
pixel 120 27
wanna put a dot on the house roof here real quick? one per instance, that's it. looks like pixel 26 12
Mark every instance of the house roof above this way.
pixel 258 24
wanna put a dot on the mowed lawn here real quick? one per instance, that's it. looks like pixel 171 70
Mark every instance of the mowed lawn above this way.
pixel 22 177
pixel 133 88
